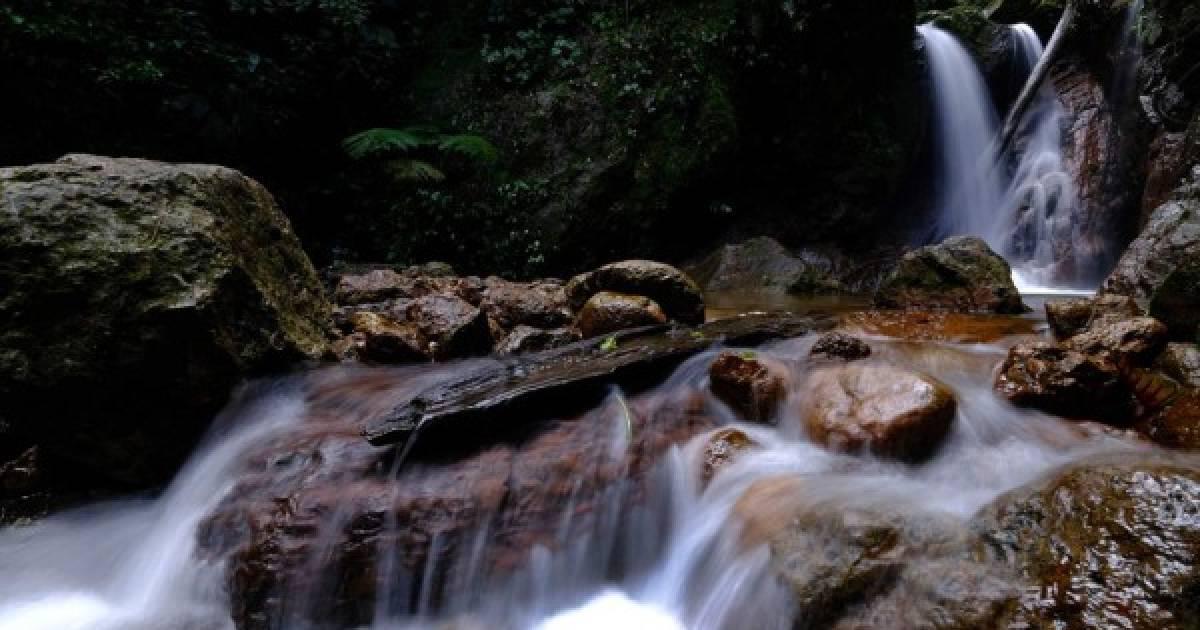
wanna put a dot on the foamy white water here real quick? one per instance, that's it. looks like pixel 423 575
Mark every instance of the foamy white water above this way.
pixel 671 562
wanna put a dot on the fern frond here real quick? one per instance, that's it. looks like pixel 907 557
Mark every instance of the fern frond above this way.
pixel 409 170
pixel 470 146
pixel 382 141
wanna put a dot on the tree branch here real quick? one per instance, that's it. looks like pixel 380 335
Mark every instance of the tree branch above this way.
pixel 1040 71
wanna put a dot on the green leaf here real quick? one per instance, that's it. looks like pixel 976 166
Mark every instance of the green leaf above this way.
pixel 409 170
pixel 609 344
pixel 474 147
pixel 381 142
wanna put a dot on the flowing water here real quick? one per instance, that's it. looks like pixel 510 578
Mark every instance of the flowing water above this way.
pixel 1028 210
pixel 669 556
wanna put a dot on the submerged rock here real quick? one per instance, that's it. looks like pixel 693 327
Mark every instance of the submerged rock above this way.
pixel 607 312
pixel 1064 382
pixel 1105 543
pixel 961 274
pixel 887 410
pixel 853 566
pixel 136 294
pixel 751 385
pixel 722 449
pixel 669 287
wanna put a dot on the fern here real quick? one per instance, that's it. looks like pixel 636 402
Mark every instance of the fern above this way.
pixel 473 147
pixel 379 142
pixel 411 170
pixel 399 144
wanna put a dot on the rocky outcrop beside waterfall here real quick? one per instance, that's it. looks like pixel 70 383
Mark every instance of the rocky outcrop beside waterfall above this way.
pixel 1159 265
pixel 961 274
pixel 135 295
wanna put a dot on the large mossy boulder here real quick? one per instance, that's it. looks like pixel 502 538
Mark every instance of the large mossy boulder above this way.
pixel 133 296
pixel 1110 543
pixel 960 274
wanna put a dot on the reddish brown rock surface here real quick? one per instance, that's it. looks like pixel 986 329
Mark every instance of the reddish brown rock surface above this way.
pixel 1064 382
pixel 607 312
pixel 750 384
pixel 887 410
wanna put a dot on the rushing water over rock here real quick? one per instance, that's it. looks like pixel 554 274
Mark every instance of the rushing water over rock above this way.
pixel 585 523
pixel 1030 212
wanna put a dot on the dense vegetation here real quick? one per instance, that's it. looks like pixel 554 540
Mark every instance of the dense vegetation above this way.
pixel 621 128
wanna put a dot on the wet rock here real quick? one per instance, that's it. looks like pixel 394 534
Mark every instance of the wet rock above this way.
pixel 837 345
pixel 887 410
pixel 607 312
pixel 1177 423
pixel 385 340
pixel 1107 543
pixel 450 326
pixel 1064 382
pixel 722 448
pixel 1139 340
pixel 1176 302
pixel 348 348
pixel 537 304
pixel 315 511
pixel 672 289
pixel 376 285
pixel 373 286
pixel 762 264
pixel 1068 318
pixel 1181 361
pixel 496 396
pixel 1170 238
pixel 751 385
pixel 529 339
pixel 863 566
pixel 961 274
pixel 136 295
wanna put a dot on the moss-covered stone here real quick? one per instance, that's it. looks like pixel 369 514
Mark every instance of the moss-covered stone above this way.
pixel 136 294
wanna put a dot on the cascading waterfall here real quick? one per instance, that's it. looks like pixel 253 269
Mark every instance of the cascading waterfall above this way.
pixel 1030 213
pixel 669 562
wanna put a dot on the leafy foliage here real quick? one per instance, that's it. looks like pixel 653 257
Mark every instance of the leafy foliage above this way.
pixel 398 144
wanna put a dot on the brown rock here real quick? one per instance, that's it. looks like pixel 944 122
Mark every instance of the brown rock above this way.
pixel 608 312
pixel 1064 382
pixel 385 340
pixel 1139 339
pixel 884 409
pixel 723 447
pixel 672 289
pixel 450 326
pixel 1181 361
pixel 376 285
pixel 1068 318
pixel 537 304
pixel 1177 425
pixel 751 385
pixel 835 345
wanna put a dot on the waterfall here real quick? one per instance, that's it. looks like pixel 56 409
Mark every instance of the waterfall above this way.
pixel 967 189
pixel 1027 213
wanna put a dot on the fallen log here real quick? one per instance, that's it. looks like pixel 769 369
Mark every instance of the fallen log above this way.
pixel 492 398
